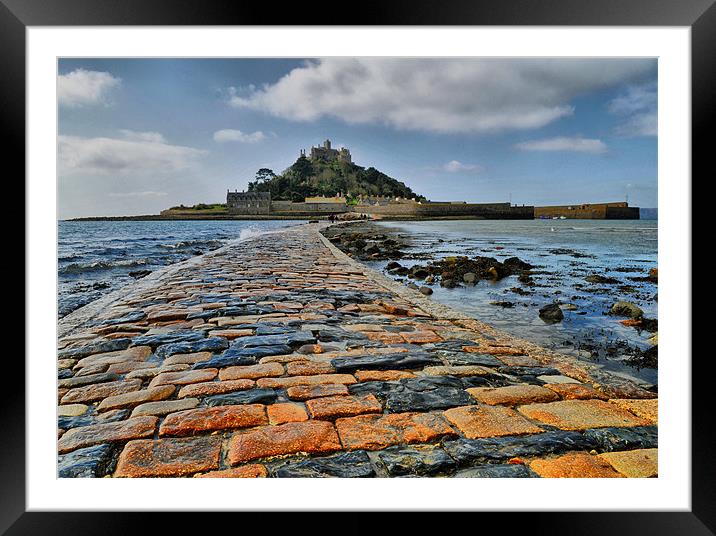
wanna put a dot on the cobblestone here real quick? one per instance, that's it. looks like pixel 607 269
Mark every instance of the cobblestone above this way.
pixel 279 356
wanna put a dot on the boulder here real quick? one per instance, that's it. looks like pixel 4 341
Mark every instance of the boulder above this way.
pixel 470 278
pixel 625 308
pixel 551 313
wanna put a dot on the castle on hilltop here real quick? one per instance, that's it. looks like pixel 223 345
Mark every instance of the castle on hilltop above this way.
pixel 328 154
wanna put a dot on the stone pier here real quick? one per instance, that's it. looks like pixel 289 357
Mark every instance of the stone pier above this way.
pixel 281 357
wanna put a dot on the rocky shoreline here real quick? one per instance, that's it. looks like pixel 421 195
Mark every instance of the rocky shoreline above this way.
pixel 280 356
pixel 367 241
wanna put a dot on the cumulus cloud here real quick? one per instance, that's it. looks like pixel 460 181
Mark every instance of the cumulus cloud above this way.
pixel 454 166
pixel 229 134
pixel 82 87
pixel 438 95
pixel 154 137
pixel 638 106
pixel 578 145
pixel 121 155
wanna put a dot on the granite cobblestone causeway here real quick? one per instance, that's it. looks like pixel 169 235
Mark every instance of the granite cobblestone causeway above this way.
pixel 281 357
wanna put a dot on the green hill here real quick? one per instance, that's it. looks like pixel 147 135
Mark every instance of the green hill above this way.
pixel 306 178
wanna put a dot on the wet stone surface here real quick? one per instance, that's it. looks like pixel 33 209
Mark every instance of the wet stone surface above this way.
pixel 278 356
pixel 354 464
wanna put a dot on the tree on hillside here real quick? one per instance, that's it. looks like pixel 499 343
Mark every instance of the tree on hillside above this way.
pixel 307 179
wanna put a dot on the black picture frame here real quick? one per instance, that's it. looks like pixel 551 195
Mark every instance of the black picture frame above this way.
pixel 699 15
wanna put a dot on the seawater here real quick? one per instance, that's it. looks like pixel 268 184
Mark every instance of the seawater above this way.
pixel 566 251
pixel 96 257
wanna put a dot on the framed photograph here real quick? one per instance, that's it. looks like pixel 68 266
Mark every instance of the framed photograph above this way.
pixel 415 260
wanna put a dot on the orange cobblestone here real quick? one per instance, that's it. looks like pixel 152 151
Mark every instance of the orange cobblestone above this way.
pixel 169 457
pixel 489 421
pixel 581 414
pixel 332 407
pixel 373 432
pixel 193 421
pixel 578 465
pixel 312 437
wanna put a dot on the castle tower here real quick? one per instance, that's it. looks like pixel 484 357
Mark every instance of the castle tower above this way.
pixel 327 144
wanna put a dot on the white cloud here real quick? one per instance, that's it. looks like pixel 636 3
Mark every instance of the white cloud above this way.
pixel 155 137
pixel 81 87
pixel 229 134
pixel 438 95
pixel 638 105
pixel 455 166
pixel 578 145
pixel 111 155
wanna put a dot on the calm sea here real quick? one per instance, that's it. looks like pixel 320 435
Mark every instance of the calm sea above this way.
pixel 564 252
pixel 96 257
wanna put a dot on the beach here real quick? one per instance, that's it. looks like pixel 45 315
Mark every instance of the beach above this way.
pixel 278 355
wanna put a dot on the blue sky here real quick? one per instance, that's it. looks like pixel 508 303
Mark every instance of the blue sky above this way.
pixel 139 135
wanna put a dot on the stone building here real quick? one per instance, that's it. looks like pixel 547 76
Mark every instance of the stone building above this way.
pixel 248 202
pixel 327 154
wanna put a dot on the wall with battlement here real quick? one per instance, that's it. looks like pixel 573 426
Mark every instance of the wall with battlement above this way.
pixel 590 211
pixel 446 210
pixel 289 207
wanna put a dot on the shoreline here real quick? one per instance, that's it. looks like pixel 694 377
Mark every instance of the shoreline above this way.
pixel 331 370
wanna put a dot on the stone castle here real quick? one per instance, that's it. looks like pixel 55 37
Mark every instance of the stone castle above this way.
pixel 327 154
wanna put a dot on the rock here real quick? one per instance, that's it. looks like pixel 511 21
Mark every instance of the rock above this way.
pixel 210 344
pixel 405 360
pixel 427 291
pixel 625 308
pixel 169 457
pixel 251 396
pixel 614 439
pixel 85 436
pixel 642 463
pixel 574 465
pixel 89 462
pixel 418 272
pixel 447 283
pixel 417 394
pixel 515 264
pixel 580 414
pixel 168 338
pixel 596 278
pixel 102 346
pixel 393 265
pixel 654 275
pixel 373 432
pixel 551 313
pixel 485 450
pixel 503 304
pixel 496 471
pixel 332 407
pixel 243 356
pixel 417 461
pixel 197 421
pixel 312 437
pixel 354 464
pixel 470 278
pixel 138 274
pixel 489 421
pixel 284 412
pixel 413 286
